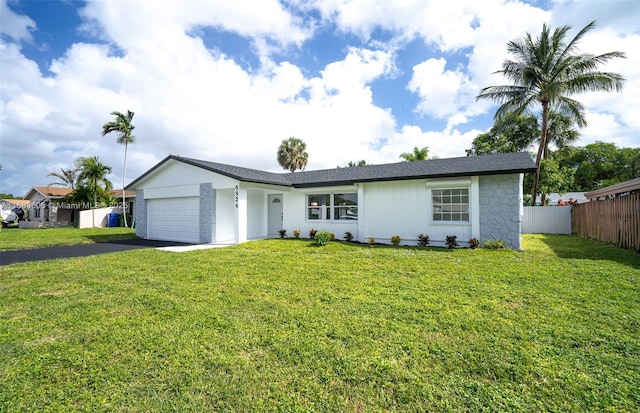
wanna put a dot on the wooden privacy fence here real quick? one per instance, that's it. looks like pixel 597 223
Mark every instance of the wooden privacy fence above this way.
pixel 614 220
pixel 546 220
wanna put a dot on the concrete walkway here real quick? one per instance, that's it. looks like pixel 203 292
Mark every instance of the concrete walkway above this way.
pixel 85 250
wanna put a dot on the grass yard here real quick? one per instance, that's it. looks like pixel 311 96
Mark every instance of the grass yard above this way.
pixel 283 326
pixel 20 239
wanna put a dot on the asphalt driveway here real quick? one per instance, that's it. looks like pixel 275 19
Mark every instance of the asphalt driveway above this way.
pixel 84 250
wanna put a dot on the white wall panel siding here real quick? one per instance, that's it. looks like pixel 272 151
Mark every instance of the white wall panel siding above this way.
pixel 546 220
pixel 256 214
pixel 172 191
pixel 295 212
pixel 174 219
pixel 175 174
pixel 394 208
pixel 225 217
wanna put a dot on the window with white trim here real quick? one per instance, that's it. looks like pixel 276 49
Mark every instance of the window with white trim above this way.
pixel 336 207
pixel 450 205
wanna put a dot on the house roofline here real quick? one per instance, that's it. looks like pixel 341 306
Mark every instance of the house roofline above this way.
pixel 615 189
pixel 316 179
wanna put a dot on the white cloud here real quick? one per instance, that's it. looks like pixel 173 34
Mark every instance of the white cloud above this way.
pixel 15 26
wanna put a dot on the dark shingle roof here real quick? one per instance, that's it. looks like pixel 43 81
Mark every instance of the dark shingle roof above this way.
pixel 435 168
pixel 238 172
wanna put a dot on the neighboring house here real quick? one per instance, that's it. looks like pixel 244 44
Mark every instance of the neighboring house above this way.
pixel 47 204
pixel 554 197
pixel 10 203
pixel 621 189
pixel 190 200
pixel 44 204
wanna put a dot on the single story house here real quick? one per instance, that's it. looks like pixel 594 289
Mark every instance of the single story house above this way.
pixel 197 201
pixel 44 204
pixel 48 204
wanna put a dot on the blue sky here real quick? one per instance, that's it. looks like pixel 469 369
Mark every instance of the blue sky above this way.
pixel 228 81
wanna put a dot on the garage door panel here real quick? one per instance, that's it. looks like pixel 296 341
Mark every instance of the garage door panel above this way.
pixel 174 219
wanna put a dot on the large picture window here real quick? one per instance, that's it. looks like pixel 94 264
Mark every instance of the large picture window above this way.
pixel 343 206
pixel 450 204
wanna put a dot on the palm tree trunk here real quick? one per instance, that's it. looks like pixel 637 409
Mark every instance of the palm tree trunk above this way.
pixel 95 193
pixel 124 174
pixel 541 148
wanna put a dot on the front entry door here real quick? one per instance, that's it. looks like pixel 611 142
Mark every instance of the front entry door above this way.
pixel 275 213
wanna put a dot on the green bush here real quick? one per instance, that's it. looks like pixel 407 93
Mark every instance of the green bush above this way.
pixel 474 243
pixel 371 240
pixel 296 233
pixel 451 241
pixel 283 233
pixel 312 233
pixel 495 244
pixel 395 240
pixel 322 238
pixel 423 240
pixel 348 236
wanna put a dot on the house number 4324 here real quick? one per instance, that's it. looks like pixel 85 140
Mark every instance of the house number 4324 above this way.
pixel 236 195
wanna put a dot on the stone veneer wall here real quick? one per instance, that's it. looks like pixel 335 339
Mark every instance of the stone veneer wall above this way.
pixel 141 214
pixel 43 224
pixel 207 213
pixel 500 208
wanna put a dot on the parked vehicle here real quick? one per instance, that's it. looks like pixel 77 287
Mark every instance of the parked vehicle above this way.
pixel 11 216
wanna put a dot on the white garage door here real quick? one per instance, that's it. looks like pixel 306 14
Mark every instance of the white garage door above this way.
pixel 174 219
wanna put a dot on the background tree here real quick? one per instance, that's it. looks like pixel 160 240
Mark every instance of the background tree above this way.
pixel 66 178
pixel 516 136
pixel 546 71
pixel 351 164
pixel 292 154
pixel 600 164
pixel 418 154
pixel 123 126
pixel 92 179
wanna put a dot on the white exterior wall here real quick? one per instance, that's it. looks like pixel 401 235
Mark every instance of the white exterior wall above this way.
pixel 225 217
pixel 256 214
pixel 386 209
pixel 394 208
pixel 295 213
pixel 178 174
pixel 404 208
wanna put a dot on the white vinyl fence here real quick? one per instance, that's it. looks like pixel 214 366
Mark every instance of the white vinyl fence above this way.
pixel 93 218
pixel 546 220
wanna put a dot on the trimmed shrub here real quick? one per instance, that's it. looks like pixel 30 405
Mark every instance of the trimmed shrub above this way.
pixel 451 241
pixel 296 233
pixel 371 240
pixel 322 238
pixel 312 233
pixel 423 240
pixel 474 243
pixel 495 244
pixel 348 236
pixel 395 240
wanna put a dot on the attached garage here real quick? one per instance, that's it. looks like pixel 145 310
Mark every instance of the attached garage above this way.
pixel 174 219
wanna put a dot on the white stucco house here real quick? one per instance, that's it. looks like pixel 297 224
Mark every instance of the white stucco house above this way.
pixel 196 201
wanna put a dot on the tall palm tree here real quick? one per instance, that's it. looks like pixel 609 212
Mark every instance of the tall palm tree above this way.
pixel 123 126
pixel 417 154
pixel 93 176
pixel 66 178
pixel 546 71
pixel 560 132
pixel 292 154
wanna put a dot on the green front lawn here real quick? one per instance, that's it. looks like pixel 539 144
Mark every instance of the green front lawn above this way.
pixel 280 325
pixel 20 239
